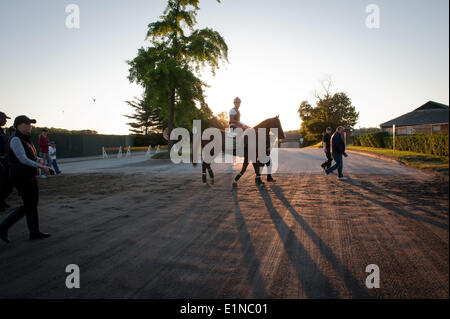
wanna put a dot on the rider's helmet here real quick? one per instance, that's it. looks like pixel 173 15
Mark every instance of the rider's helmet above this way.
pixel 237 100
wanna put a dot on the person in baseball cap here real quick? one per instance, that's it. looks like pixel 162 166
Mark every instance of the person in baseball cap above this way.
pixel 23 119
pixel 24 165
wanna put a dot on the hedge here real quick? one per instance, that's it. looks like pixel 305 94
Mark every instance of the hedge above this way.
pixel 150 139
pixel 375 139
pixel 428 144
pixel 423 143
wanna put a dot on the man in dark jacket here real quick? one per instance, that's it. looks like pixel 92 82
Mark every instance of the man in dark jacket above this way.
pixel 337 151
pixel 326 143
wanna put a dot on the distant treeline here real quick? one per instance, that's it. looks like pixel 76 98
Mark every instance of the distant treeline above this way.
pixel 53 130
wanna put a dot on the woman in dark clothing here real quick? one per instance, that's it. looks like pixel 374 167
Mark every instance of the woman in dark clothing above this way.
pixel 24 165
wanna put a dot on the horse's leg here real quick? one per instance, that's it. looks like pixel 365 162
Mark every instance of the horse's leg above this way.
pixel 269 172
pixel 243 169
pixel 204 171
pixel 211 174
pixel 258 174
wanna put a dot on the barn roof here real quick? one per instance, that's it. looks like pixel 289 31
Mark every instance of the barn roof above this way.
pixel 429 113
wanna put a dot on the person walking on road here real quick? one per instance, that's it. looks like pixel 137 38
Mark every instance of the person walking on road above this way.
pixel 326 143
pixel 24 167
pixel 52 152
pixel 337 151
pixel 43 150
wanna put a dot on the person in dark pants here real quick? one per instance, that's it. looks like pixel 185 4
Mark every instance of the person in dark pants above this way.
pixel 52 152
pixel 326 142
pixel 24 165
pixel 337 151
pixel 5 185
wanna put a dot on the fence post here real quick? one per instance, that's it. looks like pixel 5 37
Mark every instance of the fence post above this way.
pixel 393 139
pixel 104 154
pixel 148 151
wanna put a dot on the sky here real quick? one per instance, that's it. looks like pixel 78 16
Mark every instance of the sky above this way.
pixel 279 52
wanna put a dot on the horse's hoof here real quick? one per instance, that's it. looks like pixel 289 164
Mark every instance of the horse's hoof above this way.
pixel 212 181
pixel 234 185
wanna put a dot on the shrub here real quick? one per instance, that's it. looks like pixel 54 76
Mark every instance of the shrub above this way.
pixel 150 139
pixel 428 144
pixel 375 139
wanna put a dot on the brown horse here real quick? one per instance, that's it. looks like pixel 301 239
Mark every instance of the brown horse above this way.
pixel 267 125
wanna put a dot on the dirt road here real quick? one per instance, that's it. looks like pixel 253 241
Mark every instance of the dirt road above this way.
pixel 151 229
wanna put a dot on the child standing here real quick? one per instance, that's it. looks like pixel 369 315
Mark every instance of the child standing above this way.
pixel 52 152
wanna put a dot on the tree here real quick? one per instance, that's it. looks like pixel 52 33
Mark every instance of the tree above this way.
pixel 166 68
pixel 147 118
pixel 332 110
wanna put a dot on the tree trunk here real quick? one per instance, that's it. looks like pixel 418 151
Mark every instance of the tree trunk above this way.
pixel 171 118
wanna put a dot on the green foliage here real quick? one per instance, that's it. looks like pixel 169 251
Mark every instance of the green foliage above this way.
pixel 365 130
pixel 166 68
pixel 330 111
pixel 375 139
pixel 147 117
pixel 53 130
pixel 428 144
pixel 152 139
pixel 423 143
pixel 161 155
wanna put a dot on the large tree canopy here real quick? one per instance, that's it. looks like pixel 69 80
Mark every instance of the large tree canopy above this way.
pixel 167 68
pixel 330 111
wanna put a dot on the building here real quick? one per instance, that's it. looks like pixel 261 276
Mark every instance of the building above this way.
pixel 290 141
pixel 430 118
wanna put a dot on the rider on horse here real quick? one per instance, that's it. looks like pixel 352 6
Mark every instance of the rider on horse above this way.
pixel 235 116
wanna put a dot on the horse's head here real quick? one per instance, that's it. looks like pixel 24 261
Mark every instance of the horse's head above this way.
pixel 277 124
pixel 272 123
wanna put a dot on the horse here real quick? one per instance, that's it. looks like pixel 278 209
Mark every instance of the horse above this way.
pixel 267 125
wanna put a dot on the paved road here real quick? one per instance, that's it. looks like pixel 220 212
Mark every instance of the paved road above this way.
pixel 142 228
pixel 289 161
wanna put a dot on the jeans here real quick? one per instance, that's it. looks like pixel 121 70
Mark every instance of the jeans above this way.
pixel 55 166
pixel 327 163
pixel 48 160
pixel 339 164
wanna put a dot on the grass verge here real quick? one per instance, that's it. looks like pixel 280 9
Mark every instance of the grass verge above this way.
pixel 161 155
pixel 417 160
pixel 318 144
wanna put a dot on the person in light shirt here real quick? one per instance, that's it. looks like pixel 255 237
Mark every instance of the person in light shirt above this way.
pixel 235 116
pixel 52 152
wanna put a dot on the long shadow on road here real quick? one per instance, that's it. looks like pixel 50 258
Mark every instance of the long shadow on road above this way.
pixel 353 284
pixel 313 282
pixel 251 261
pixel 393 208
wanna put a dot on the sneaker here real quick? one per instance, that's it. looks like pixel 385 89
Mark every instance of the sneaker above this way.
pixel 44 176
pixel 343 178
